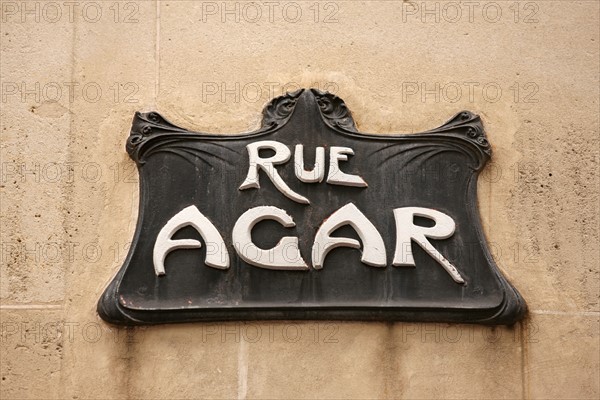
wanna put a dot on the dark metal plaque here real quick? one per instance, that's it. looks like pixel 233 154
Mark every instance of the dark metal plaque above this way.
pixel 348 226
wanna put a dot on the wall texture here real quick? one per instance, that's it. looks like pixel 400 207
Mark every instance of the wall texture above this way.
pixel 73 74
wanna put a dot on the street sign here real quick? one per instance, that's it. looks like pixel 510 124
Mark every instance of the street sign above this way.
pixel 308 218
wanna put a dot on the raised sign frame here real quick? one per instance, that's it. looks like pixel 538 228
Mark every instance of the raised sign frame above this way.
pixel 208 179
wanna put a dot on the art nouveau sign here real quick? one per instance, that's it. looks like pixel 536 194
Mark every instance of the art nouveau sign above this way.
pixel 307 218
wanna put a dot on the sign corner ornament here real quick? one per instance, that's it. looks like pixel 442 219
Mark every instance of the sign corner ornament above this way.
pixel 308 218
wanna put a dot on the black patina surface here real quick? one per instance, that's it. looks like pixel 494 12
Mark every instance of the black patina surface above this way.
pixel 435 169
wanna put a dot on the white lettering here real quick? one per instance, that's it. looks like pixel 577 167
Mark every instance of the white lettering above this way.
pixel 189 216
pixel 285 255
pixel 373 247
pixel 318 172
pixel 406 230
pixel 336 176
pixel 281 156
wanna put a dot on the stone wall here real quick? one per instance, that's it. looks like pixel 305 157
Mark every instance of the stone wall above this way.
pixel 73 74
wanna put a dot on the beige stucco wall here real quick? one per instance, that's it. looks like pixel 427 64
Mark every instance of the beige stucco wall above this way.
pixel 69 190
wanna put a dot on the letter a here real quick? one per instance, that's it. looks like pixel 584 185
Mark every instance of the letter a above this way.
pixel 373 247
pixel 190 216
